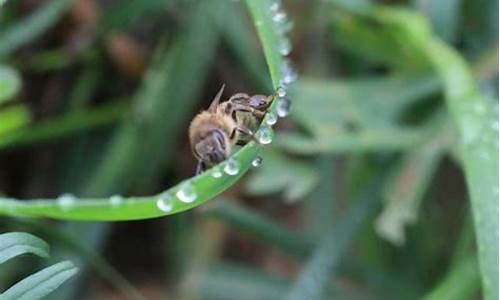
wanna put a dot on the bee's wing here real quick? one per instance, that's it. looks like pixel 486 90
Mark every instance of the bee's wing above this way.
pixel 216 100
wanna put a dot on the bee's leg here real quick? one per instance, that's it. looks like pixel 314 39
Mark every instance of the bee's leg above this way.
pixel 235 107
pixel 245 135
pixel 201 167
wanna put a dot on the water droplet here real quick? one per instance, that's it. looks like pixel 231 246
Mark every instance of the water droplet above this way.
pixel 265 135
pixel 66 201
pixel 284 27
pixel 281 91
pixel 279 17
pixel 257 161
pixel 284 46
pixel 216 173
pixel 289 73
pixel 116 200
pixel 271 118
pixel 186 193
pixel 232 167
pixel 283 106
pixel 164 202
pixel 275 7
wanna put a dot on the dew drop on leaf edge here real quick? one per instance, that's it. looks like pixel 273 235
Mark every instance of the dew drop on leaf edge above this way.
pixel 164 202
pixel 186 193
pixel 232 167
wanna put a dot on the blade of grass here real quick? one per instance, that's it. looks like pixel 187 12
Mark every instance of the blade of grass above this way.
pixel 40 284
pixel 32 26
pixel 13 244
pixel 477 121
pixel 63 126
pixel 61 240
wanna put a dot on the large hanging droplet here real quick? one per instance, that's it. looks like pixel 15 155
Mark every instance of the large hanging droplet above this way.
pixel 232 167
pixel 271 118
pixel 281 91
pixel 265 135
pixel 283 107
pixel 186 193
pixel 289 73
pixel 284 46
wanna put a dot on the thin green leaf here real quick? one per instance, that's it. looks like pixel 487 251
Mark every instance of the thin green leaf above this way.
pixel 10 83
pixel 32 26
pixel 40 284
pixel 382 140
pixel 64 125
pixel 13 244
pixel 477 121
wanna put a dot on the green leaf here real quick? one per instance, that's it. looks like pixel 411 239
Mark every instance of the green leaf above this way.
pixel 325 106
pixel 31 27
pixel 40 284
pixel 10 83
pixel 13 244
pixel 62 126
pixel 477 121
pixel 381 140
pixel 279 173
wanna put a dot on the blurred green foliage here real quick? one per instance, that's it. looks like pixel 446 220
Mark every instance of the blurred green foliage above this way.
pixel 382 184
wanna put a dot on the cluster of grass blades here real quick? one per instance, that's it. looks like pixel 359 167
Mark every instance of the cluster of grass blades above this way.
pixel 41 283
pixel 272 25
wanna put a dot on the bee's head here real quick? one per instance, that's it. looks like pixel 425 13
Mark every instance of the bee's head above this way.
pixel 212 149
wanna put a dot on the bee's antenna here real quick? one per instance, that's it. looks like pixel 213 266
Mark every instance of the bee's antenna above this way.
pixel 216 100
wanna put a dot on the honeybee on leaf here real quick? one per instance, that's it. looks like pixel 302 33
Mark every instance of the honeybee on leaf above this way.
pixel 214 132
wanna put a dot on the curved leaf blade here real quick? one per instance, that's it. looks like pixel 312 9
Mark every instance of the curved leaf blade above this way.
pixel 40 284
pixel 13 244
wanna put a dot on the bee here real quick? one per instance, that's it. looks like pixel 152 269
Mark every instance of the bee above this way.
pixel 214 132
